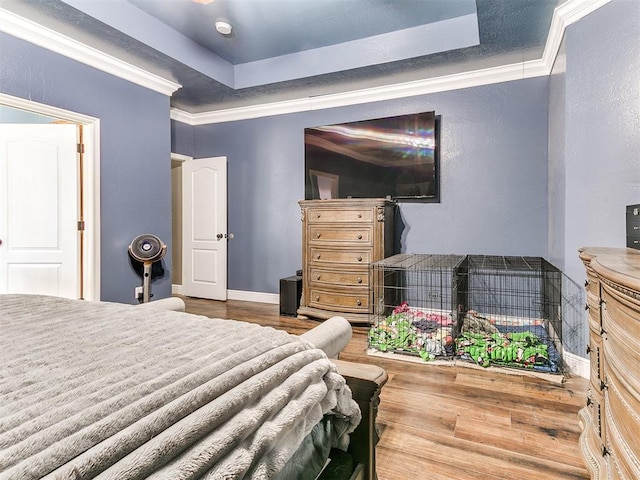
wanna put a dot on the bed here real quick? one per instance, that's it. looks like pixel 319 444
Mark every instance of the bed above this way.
pixel 110 391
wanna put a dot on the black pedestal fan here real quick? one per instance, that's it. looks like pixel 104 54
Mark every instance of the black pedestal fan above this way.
pixel 147 249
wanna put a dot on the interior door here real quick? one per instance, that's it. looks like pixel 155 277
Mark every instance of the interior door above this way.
pixel 39 209
pixel 204 217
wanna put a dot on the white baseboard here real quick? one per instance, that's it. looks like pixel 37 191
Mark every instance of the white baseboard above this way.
pixel 259 297
pixel 576 365
pixel 176 289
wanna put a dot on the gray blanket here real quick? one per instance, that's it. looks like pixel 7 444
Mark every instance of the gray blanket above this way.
pixel 110 391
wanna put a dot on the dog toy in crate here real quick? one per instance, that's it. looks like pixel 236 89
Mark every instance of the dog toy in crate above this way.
pixel 519 349
pixel 393 334
pixel 413 331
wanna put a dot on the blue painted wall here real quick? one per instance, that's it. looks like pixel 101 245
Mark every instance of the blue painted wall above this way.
pixel 557 159
pixel 493 179
pixel 181 138
pixel 135 152
pixel 602 141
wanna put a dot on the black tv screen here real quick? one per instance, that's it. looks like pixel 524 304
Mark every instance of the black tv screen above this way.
pixel 392 157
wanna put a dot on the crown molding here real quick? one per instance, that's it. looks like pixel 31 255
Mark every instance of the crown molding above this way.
pixel 487 76
pixel 564 15
pixel 35 33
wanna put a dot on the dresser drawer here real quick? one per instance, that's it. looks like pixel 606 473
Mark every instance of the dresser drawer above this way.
pixel 595 316
pixel 593 284
pixel 596 358
pixel 338 277
pixel 595 402
pixel 343 215
pixel 621 343
pixel 326 256
pixel 324 235
pixel 621 422
pixel 352 300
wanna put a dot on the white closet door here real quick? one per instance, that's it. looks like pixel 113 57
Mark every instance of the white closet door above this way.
pixel 39 210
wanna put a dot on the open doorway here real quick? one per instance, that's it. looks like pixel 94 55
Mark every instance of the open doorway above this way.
pixel 13 111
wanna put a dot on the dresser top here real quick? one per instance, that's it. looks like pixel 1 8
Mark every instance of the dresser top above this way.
pixel 348 202
pixel 619 265
pixel 589 253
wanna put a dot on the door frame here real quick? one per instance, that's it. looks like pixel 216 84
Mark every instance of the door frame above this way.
pixel 90 184
pixel 176 289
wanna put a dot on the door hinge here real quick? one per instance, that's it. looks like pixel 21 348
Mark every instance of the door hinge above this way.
pixel 81 225
pixel 80 147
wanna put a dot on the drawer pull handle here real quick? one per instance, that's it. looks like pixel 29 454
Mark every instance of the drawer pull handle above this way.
pixel 586 283
pixel 605 451
pixel 359 280
pixel 603 386
pixel 589 401
pixel 318 277
pixel 359 215
pixel 317 256
pixel 586 306
pixel 359 302
pixel 359 258
pixel 359 236
pixel 318 215
pixel 588 349
pixel 317 298
pixel 317 235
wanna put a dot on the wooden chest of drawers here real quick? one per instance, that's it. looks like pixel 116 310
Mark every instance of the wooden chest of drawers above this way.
pixel 610 440
pixel 340 240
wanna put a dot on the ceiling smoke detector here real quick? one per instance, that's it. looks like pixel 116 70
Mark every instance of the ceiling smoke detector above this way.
pixel 223 28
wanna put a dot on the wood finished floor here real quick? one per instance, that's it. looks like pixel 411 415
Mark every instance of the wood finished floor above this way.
pixel 446 422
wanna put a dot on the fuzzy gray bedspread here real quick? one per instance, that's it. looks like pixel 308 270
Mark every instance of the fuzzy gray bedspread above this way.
pixel 110 391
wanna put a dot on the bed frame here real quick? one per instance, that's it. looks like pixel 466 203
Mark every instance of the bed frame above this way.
pixel 366 382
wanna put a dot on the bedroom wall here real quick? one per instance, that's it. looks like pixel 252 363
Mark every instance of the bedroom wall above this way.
pixel 557 159
pixel 135 140
pixel 181 138
pixel 493 179
pixel 602 128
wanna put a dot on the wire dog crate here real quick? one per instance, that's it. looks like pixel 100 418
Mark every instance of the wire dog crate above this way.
pixel 514 313
pixel 417 299
pixel 490 310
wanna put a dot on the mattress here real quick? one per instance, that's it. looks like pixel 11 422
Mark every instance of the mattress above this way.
pixel 110 391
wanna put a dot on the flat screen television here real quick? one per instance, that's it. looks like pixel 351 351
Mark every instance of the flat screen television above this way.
pixel 393 157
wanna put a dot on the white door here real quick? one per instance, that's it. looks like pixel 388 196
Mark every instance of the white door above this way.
pixel 39 209
pixel 204 217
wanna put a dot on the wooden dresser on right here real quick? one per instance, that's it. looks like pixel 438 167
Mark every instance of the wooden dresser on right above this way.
pixel 610 439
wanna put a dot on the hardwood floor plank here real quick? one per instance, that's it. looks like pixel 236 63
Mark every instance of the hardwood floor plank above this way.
pixel 440 422
pixel 540 444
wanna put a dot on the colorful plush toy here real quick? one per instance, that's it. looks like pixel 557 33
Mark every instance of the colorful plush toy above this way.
pixel 515 349
pixel 410 330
